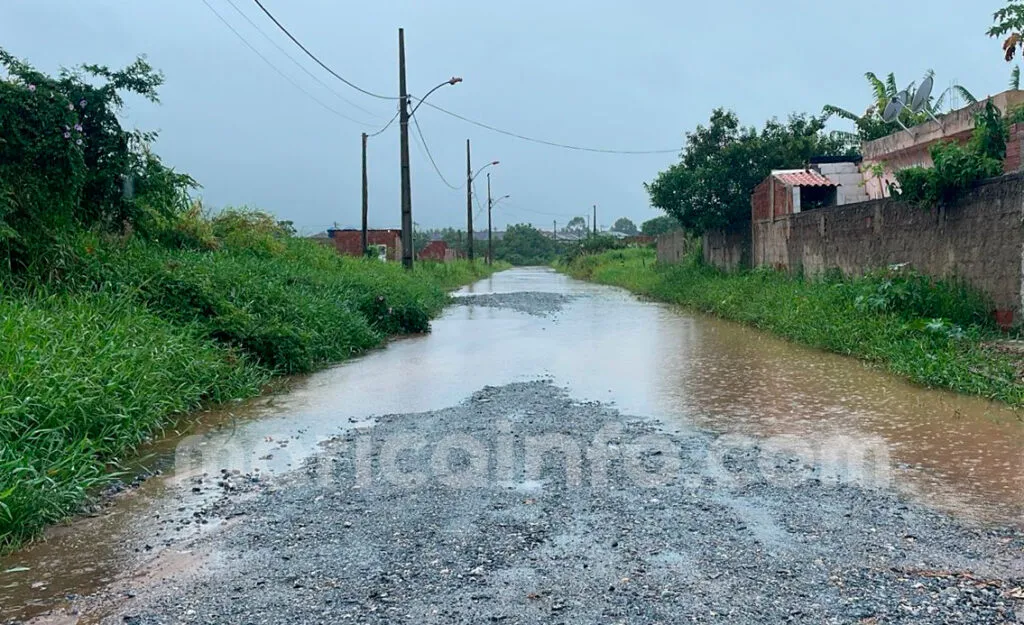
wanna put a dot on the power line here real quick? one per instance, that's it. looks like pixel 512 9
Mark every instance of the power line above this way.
pixel 423 139
pixel 544 141
pixel 318 61
pixel 296 62
pixel 281 73
pixel 387 125
pixel 530 210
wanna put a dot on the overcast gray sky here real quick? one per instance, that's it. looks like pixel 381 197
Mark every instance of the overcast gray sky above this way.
pixel 600 73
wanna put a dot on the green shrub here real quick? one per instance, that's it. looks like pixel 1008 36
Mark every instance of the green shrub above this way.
pixel 957 168
pixel 64 155
pixel 252 230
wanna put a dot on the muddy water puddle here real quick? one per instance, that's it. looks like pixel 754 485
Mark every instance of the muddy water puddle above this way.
pixel 959 454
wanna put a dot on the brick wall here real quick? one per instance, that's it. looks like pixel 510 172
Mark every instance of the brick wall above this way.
pixel 980 239
pixel 350 242
pixel 435 250
pixel 1013 149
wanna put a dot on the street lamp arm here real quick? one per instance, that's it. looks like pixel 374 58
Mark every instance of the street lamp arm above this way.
pixel 454 80
pixel 473 177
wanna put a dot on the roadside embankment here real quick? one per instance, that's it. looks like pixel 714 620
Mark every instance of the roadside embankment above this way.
pixel 938 334
pixel 123 335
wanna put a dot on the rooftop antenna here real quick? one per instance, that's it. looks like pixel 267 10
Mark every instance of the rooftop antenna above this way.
pixel 921 99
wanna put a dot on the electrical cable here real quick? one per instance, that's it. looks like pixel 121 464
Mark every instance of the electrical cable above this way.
pixel 386 126
pixel 544 141
pixel 318 61
pixel 279 72
pixel 296 62
pixel 430 156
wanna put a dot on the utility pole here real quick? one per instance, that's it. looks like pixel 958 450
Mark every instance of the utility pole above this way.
pixel 595 220
pixel 366 198
pixel 403 118
pixel 469 203
pixel 490 235
pixel 554 230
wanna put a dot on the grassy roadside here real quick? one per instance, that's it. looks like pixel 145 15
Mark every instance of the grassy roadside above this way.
pixel 122 336
pixel 931 332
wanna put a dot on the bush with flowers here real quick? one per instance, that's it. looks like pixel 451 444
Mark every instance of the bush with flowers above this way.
pixel 64 157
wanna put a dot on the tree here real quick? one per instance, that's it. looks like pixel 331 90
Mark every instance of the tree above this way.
pixel 659 225
pixel 625 226
pixel 871 126
pixel 1009 22
pixel 525 245
pixel 722 163
pixel 577 226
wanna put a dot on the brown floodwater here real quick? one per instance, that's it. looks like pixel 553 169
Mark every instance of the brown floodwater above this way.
pixel 958 454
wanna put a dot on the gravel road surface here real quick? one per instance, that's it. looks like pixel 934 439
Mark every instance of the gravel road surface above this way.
pixel 523 505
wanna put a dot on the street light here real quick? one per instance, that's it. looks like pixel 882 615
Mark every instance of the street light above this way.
pixel 403 116
pixel 470 177
pixel 490 233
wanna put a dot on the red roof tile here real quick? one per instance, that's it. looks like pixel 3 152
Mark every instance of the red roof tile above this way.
pixel 805 179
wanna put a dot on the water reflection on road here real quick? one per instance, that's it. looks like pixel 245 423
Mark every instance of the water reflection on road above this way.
pixel 960 454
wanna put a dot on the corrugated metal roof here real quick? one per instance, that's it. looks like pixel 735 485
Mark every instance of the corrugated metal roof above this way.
pixel 809 178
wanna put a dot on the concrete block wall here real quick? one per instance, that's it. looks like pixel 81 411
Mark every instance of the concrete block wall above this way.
pixel 727 250
pixel 672 247
pixel 850 180
pixel 980 239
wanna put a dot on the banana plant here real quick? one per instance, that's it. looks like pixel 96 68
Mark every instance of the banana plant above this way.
pixel 870 124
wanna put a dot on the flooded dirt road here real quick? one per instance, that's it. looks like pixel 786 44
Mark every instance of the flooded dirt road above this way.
pixel 799 461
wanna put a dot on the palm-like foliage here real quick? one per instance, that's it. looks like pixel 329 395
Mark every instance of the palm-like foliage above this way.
pixel 871 126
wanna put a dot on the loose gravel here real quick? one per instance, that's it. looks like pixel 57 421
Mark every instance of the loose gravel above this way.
pixel 385 527
pixel 535 303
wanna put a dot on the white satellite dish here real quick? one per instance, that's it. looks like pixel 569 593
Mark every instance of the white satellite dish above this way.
pixel 921 98
pixel 894 108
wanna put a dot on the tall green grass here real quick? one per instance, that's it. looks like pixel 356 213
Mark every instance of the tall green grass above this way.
pixel 935 333
pixel 119 337
pixel 85 378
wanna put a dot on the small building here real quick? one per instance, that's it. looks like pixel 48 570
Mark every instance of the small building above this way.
pixel 385 244
pixel 789 191
pixel 435 250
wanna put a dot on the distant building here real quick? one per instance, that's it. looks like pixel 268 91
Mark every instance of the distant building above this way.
pixel 385 244
pixel 435 250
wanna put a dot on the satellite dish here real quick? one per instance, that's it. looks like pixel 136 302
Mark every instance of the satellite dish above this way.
pixel 892 110
pixel 920 101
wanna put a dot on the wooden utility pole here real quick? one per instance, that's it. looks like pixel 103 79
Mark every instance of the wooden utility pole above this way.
pixel 469 203
pixel 490 235
pixel 403 119
pixel 595 220
pixel 366 199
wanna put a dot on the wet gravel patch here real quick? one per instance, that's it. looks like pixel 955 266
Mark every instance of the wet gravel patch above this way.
pixel 535 303
pixel 472 514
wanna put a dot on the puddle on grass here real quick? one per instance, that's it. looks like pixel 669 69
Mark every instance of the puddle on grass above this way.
pixel 961 454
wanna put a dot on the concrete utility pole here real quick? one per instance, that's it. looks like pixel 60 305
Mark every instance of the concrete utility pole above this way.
pixel 366 198
pixel 595 220
pixel 469 203
pixel 490 235
pixel 403 119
